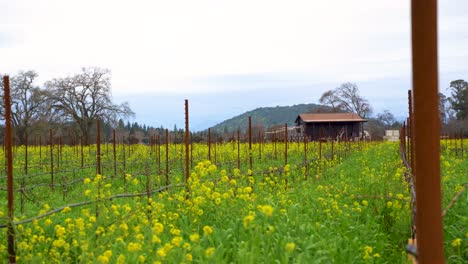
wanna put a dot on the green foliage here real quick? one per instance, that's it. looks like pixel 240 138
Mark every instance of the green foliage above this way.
pixel 459 99
pixel 266 117
pixel 352 208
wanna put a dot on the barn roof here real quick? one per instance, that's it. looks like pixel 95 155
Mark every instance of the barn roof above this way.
pixel 330 117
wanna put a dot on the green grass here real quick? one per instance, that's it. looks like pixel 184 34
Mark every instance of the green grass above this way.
pixel 354 209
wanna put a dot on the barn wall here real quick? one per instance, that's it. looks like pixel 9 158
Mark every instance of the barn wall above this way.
pixel 331 129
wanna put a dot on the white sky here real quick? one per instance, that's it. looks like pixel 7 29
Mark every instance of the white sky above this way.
pixel 200 46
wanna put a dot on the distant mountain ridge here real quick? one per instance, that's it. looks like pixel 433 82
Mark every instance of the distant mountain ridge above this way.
pixel 266 116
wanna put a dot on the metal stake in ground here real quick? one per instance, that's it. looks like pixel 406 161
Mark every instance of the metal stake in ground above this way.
pixel 98 146
pixel 51 159
pixel 426 131
pixel 209 144
pixel 167 157
pixel 159 153
pixel 250 141
pixel 411 133
pixel 115 153
pixel 187 169
pixel 238 148
pixel 306 165
pixel 285 143
pixel 8 146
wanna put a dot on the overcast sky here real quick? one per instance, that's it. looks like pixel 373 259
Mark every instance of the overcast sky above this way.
pixel 228 57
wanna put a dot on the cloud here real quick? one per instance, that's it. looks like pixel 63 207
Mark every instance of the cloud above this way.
pixel 197 48
pixel 162 45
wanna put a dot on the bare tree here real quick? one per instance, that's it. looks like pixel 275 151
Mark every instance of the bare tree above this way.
pixel 331 99
pixel 347 98
pixel 387 119
pixel 86 97
pixel 28 103
pixel 351 100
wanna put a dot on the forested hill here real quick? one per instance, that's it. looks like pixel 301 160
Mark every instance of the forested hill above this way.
pixel 266 116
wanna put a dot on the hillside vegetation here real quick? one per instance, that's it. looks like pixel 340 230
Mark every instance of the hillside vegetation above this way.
pixel 266 116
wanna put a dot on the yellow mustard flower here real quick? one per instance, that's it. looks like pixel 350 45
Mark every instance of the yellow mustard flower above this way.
pixel 209 251
pixel 290 247
pixel 194 238
pixel 158 228
pixel 456 242
pixel 266 210
pixel 207 230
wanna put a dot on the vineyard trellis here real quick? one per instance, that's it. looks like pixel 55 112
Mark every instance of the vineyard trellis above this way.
pixel 420 143
pixel 63 168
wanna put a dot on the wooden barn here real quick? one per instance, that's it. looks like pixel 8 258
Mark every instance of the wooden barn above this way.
pixel 331 126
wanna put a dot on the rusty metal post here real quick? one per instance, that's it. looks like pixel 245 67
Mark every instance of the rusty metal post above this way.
pixel 167 157
pixel 403 140
pixel 114 152
pixel 9 155
pixel 209 144
pixel 51 159
pixel 151 145
pixel 60 152
pixel 250 142
pixel 411 130
pixel 26 153
pixel 25 169
pixel 187 132
pixel 98 146
pixel 286 143
pixel 123 157
pixel 238 148
pixel 426 131
pixel 159 153
pixel 407 134
pixel 305 155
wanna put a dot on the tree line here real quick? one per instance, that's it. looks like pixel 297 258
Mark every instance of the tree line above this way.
pixel 70 106
pixel 453 108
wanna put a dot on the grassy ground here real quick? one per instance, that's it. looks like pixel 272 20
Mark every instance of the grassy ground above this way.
pixel 352 209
